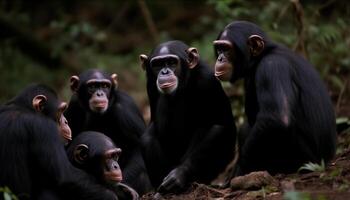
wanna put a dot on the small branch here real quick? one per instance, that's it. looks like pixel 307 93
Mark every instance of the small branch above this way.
pixel 337 108
pixel 300 45
pixel 149 21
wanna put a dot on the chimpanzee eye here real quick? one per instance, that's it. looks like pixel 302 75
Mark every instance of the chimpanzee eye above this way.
pixel 157 65
pixel 91 88
pixel 172 62
pixel 115 156
pixel 105 85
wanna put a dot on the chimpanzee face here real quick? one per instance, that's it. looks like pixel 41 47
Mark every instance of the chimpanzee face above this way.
pixel 225 55
pixel 168 65
pixel 99 91
pixel 166 68
pixel 97 155
pixel 112 172
pixel 49 105
pixel 64 128
pixel 230 59
pixel 94 90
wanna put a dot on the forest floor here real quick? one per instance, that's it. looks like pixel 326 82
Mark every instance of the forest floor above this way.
pixel 331 183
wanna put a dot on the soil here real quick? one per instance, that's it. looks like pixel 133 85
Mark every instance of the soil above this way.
pixel 333 183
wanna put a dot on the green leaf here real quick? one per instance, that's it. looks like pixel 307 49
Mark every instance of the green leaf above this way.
pixel 7 196
pixel 313 167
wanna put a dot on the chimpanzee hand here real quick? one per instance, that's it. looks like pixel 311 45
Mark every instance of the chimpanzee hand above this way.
pixel 175 181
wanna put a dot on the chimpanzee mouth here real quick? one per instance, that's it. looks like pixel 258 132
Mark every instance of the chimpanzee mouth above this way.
pixel 220 73
pixel 114 175
pixel 167 85
pixel 100 104
pixel 67 135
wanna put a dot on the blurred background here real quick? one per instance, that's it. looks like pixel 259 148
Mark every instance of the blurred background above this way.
pixel 49 41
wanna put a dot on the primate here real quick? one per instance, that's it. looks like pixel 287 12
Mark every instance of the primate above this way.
pixel 191 136
pixel 290 115
pixel 96 154
pixel 34 164
pixel 97 105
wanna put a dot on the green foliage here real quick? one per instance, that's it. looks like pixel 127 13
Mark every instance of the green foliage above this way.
pixel 17 71
pixel 327 38
pixel 313 167
pixel 7 194
pixel 89 36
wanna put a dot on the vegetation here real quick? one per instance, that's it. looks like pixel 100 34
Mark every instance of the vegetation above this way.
pixel 48 41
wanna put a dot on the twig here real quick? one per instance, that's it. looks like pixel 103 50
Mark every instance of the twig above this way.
pixel 300 45
pixel 149 21
pixel 341 96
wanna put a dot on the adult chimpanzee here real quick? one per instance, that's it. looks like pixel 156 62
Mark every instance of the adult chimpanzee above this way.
pixel 97 105
pixel 96 154
pixel 290 115
pixel 34 164
pixel 192 129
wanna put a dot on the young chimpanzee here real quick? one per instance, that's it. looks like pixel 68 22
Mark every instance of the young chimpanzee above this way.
pixel 290 115
pixel 191 136
pixel 34 164
pixel 97 105
pixel 96 154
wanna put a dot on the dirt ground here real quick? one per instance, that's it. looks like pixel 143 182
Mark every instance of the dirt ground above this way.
pixel 331 184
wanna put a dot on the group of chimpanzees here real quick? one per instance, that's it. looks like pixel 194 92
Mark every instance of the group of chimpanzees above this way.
pixel 191 136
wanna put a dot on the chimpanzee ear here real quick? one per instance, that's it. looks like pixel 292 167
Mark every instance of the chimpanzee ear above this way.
pixel 256 45
pixel 114 78
pixel 39 102
pixel 74 83
pixel 81 153
pixel 143 60
pixel 193 57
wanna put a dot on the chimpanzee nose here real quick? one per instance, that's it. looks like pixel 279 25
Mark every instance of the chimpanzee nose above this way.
pixel 220 58
pixel 164 71
pixel 115 166
pixel 99 93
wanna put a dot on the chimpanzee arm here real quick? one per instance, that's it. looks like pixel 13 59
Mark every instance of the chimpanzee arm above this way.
pixel 276 93
pixel 132 125
pixel 215 135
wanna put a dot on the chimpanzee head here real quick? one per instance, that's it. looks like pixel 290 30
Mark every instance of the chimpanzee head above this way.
pixel 236 48
pixel 168 64
pixel 43 100
pixel 94 89
pixel 96 154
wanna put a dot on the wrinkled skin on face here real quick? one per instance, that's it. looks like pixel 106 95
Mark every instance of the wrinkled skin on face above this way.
pixel 224 65
pixel 40 104
pixel 112 171
pixel 234 54
pixel 64 128
pixel 99 91
pixel 94 89
pixel 166 68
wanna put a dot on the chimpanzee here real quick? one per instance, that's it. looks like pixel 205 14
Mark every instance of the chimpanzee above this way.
pixel 191 136
pixel 97 105
pixel 290 116
pixel 34 164
pixel 96 154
